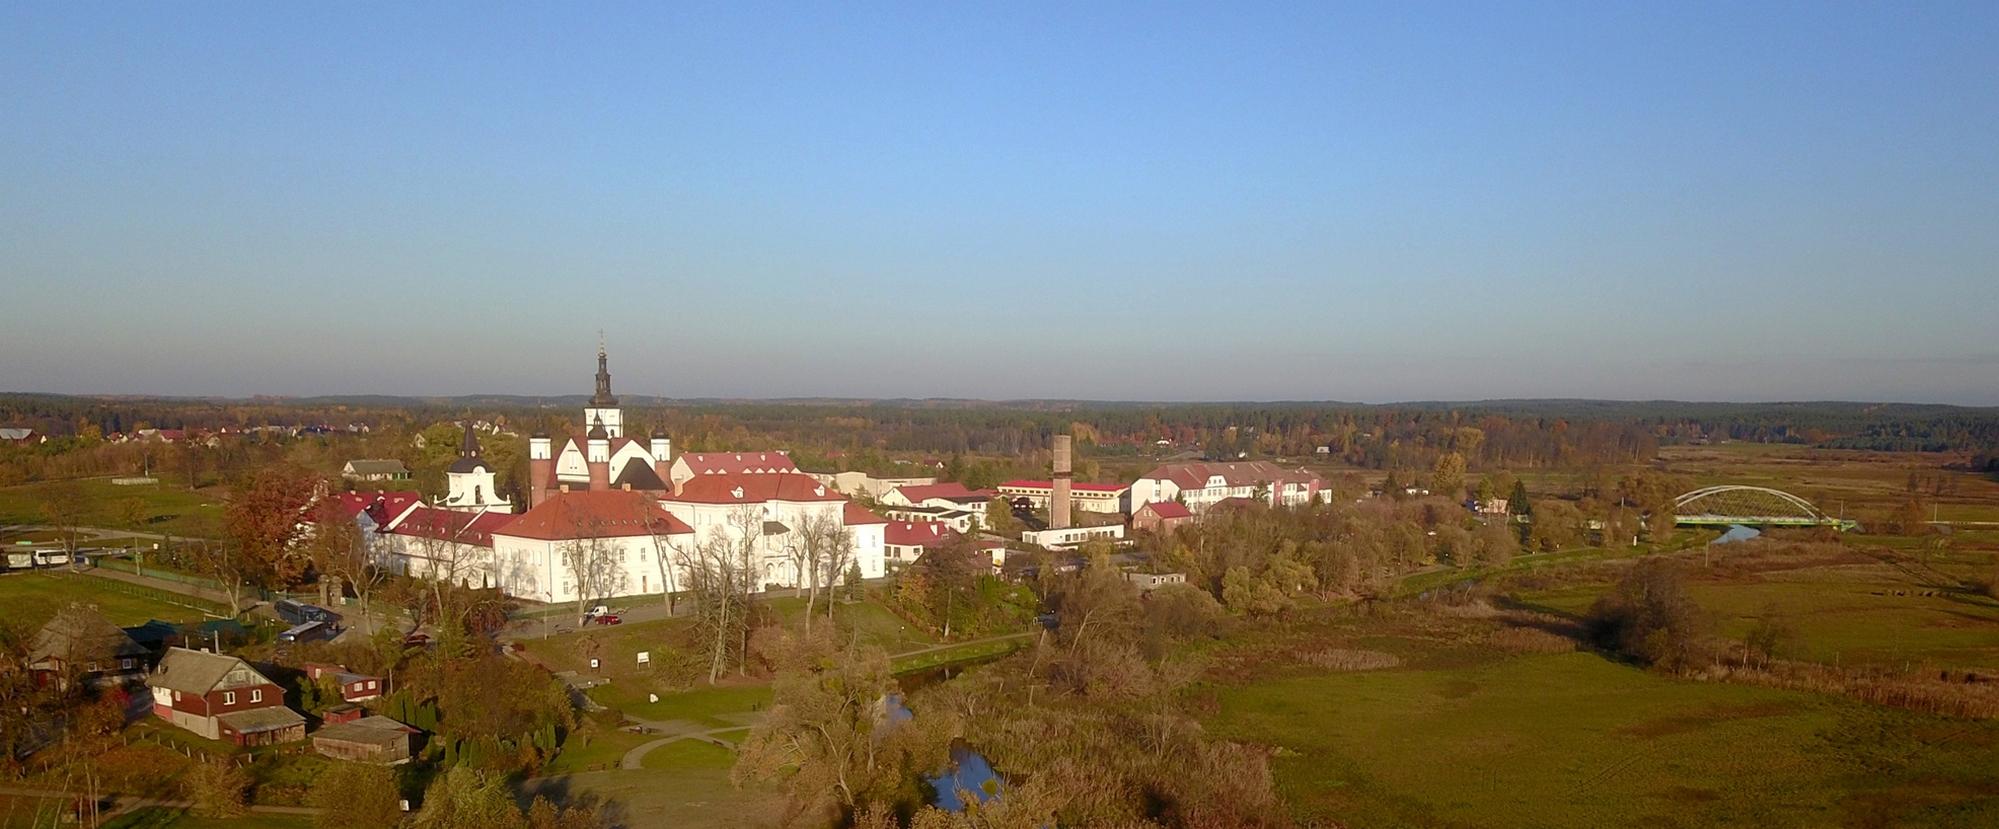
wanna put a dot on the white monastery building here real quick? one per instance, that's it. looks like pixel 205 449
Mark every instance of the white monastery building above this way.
pixel 603 521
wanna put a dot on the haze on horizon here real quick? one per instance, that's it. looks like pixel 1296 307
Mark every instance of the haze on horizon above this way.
pixel 1118 202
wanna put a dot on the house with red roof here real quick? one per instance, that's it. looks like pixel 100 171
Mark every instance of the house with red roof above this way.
pixel 624 542
pixel 906 541
pixel 1161 516
pixel 777 511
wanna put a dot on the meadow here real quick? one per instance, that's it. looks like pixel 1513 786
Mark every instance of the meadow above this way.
pixel 125 605
pixel 1574 739
pixel 158 508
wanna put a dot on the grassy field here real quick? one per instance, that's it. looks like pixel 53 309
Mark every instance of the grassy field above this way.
pixel 150 508
pixel 1575 740
pixel 689 755
pixel 27 590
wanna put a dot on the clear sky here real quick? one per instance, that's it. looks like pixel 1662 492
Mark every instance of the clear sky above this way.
pixel 1739 201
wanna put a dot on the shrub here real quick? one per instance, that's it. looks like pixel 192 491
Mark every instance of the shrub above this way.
pixel 1650 617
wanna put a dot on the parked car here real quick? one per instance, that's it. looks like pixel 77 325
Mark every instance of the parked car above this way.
pixel 417 640
pixel 609 619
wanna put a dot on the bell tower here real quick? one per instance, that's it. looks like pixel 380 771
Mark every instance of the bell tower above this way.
pixel 603 408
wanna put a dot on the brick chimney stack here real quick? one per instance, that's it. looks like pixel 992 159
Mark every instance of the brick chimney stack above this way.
pixel 1058 503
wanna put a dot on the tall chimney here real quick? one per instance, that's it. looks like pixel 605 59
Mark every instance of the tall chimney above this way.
pixel 1058 503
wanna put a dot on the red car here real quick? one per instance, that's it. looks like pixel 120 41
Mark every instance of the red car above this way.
pixel 608 619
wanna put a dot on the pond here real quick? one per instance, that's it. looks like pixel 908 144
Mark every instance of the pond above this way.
pixel 967 771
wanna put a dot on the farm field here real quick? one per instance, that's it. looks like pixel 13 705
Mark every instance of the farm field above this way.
pixel 1562 740
pixel 27 589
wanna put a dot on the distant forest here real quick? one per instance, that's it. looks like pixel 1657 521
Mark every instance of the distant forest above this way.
pixel 1499 433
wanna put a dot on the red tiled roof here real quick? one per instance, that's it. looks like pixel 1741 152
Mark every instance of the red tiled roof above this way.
pixel 597 513
pixel 383 507
pixel 448 525
pixel 738 463
pixel 918 534
pixel 1167 509
pixel 743 489
pixel 1073 487
pixel 854 515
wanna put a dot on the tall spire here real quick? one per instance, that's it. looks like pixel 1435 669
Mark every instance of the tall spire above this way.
pixel 603 397
pixel 469 447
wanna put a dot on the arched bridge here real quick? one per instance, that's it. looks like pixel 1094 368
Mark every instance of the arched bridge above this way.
pixel 1751 506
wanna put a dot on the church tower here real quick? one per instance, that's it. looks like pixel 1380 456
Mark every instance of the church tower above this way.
pixel 471 480
pixel 603 408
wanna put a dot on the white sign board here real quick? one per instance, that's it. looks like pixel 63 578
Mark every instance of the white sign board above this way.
pixel 645 657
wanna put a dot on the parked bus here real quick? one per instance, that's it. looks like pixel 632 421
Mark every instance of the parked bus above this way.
pixel 308 632
pixel 298 613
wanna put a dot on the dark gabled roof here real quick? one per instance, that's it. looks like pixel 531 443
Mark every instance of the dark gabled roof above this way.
pixel 80 634
pixel 639 474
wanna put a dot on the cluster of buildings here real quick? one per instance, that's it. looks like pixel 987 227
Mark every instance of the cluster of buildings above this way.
pixel 637 511
pixel 627 505
pixel 214 695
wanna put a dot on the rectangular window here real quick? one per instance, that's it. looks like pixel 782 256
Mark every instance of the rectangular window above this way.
pixel 371 685
pixel 228 697
pixel 256 695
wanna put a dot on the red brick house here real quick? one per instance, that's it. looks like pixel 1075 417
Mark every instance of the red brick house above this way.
pixel 222 698
pixel 353 687
pixel 1161 516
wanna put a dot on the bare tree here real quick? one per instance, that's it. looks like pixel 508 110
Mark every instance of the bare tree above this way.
pixel 722 571
pixel 712 582
pixel 65 506
pixel 664 553
pixel 224 562
pixel 339 548
pixel 594 565
pixel 825 546
pixel 436 540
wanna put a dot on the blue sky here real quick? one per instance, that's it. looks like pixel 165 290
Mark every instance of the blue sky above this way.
pixel 1196 202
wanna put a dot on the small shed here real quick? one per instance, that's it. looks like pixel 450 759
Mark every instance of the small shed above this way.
pixel 344 712
pixel 262 726
pixel 367 740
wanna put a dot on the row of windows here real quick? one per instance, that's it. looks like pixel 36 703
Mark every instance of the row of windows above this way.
pixel 229 697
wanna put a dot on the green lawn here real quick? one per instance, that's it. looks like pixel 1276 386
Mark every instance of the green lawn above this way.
pixel 703 705
pixel 688 755
pixel 158 508
pixel 1574 740
pixel 51 592
pixel 603 749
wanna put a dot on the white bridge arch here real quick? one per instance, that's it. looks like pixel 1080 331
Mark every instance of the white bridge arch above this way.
pixel 1739 504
